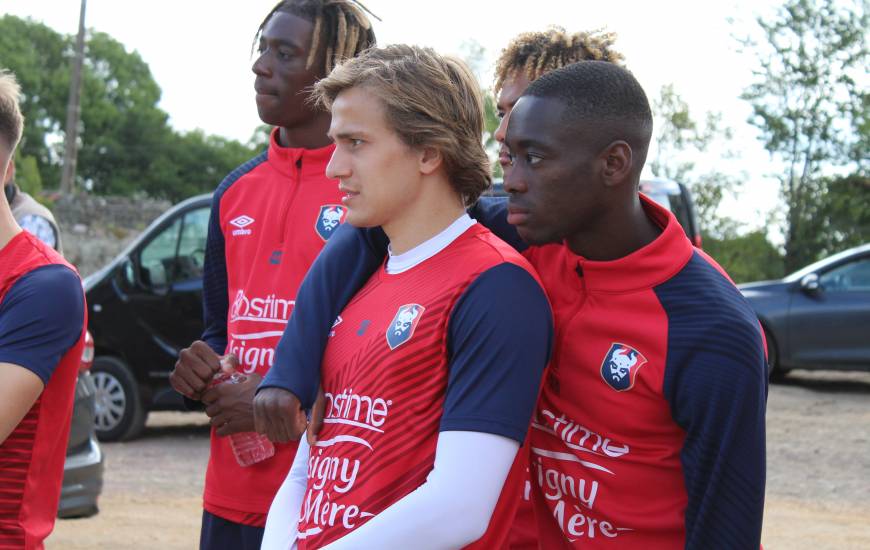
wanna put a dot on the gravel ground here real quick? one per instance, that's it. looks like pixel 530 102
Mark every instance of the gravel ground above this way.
pixel 818 485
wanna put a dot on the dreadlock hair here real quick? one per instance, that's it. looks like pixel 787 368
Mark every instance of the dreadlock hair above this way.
pixel 537 53
pixel 341 26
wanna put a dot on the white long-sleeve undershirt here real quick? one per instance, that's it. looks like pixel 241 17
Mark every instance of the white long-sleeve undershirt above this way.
pixel 461 492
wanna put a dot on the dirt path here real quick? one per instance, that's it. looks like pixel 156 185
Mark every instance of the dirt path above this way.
pixel 818 488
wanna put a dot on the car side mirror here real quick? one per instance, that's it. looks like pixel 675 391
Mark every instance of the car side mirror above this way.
pixel 810 283
pixel 128 273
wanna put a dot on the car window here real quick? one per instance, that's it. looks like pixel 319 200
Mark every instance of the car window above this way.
pixel 156 258
pixel 850 277
pixel 191 247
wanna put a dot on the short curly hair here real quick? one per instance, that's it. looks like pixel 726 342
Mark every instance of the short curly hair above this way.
pixel 430 100
pixel 537 53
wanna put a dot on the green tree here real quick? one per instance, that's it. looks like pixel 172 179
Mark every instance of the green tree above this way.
pixel 474 55
pixel 810 105
pixel 842 213
pixel 27 175
pixel 748 257
pixel 680 141
pixel 126 143
pixel 38 57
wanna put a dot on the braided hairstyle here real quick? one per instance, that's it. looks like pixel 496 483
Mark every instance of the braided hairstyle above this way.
pixel 537 53
pixel 341 26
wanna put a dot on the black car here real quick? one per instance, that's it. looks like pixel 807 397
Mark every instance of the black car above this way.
pixel 145 306
pixel 83 467
pixel 817 317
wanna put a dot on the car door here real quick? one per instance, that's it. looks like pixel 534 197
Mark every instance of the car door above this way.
pixel 167 301
pixel 830 327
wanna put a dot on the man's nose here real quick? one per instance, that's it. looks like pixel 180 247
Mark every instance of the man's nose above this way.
pixel 337 167
pixel 514 182
pixel 261 66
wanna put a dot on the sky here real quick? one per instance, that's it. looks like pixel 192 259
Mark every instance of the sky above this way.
pixel 199 52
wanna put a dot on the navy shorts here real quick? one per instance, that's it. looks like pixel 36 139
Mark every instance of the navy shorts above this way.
pixel 221 534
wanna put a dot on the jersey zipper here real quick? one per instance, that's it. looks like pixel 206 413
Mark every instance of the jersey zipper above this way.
pixel 295 182
pixel 562 334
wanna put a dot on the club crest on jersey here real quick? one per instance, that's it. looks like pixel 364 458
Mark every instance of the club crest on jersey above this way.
pixel 403 324
pixel 330 217
pixel 621 365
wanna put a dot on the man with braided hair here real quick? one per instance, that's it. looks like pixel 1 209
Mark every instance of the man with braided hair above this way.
pixel 270 217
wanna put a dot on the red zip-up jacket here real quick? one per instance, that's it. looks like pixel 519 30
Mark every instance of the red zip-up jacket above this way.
pixel 270 218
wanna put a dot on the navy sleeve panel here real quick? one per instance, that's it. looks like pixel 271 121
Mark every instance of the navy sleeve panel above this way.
pixel 716 384
pixel 499 341
pixel 491 212
pixel 41 318
pixel 347 261
pixel 215 303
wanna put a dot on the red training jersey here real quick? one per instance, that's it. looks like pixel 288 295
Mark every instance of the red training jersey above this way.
pixel 42 327
pixel 269 220
pixel 391 382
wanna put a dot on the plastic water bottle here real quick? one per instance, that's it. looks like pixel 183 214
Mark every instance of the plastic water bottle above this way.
pixel 248 447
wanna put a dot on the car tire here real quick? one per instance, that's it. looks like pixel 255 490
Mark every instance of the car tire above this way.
pixel 774 369
pixel 120 415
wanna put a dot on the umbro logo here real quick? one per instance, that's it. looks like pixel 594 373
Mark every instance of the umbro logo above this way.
pixel 241 222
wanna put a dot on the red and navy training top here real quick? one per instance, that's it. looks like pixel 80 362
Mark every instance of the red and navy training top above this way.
pixel 42 327
pixel 269 219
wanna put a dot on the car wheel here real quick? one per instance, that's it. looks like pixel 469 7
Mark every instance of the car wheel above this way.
pixel 119 414
pixel 774 370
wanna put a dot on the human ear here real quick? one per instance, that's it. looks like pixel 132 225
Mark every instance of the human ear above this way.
pixel 617 163
pixel 430 160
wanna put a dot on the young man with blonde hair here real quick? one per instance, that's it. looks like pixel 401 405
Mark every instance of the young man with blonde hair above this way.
pixel 431 373
pixel 42 324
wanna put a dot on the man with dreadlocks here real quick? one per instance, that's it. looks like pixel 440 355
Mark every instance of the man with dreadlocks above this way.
pixel 270 217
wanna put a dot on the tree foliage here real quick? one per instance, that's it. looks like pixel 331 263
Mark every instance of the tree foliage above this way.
pixel 680 141
pixel 126 145
pixel 810 102
pixel 748 257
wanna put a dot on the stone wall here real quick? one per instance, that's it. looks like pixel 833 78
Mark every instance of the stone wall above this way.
pixel 94 229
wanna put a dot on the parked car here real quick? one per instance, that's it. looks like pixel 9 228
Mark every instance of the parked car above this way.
pixel 145 306
pixel 675 197
pixel 670 194
pixel 819 316
pixel 83 468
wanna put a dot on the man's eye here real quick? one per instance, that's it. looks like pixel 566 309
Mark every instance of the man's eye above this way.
pixel 355 142
pixel 284 54
pixel 533 159
pixel 500 114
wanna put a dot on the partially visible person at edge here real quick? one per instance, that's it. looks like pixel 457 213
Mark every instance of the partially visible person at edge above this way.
pixel 42 327
pixel 29 213
pixel 428 365
pixel 270 217
pixel 526 58
pixel 649 432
